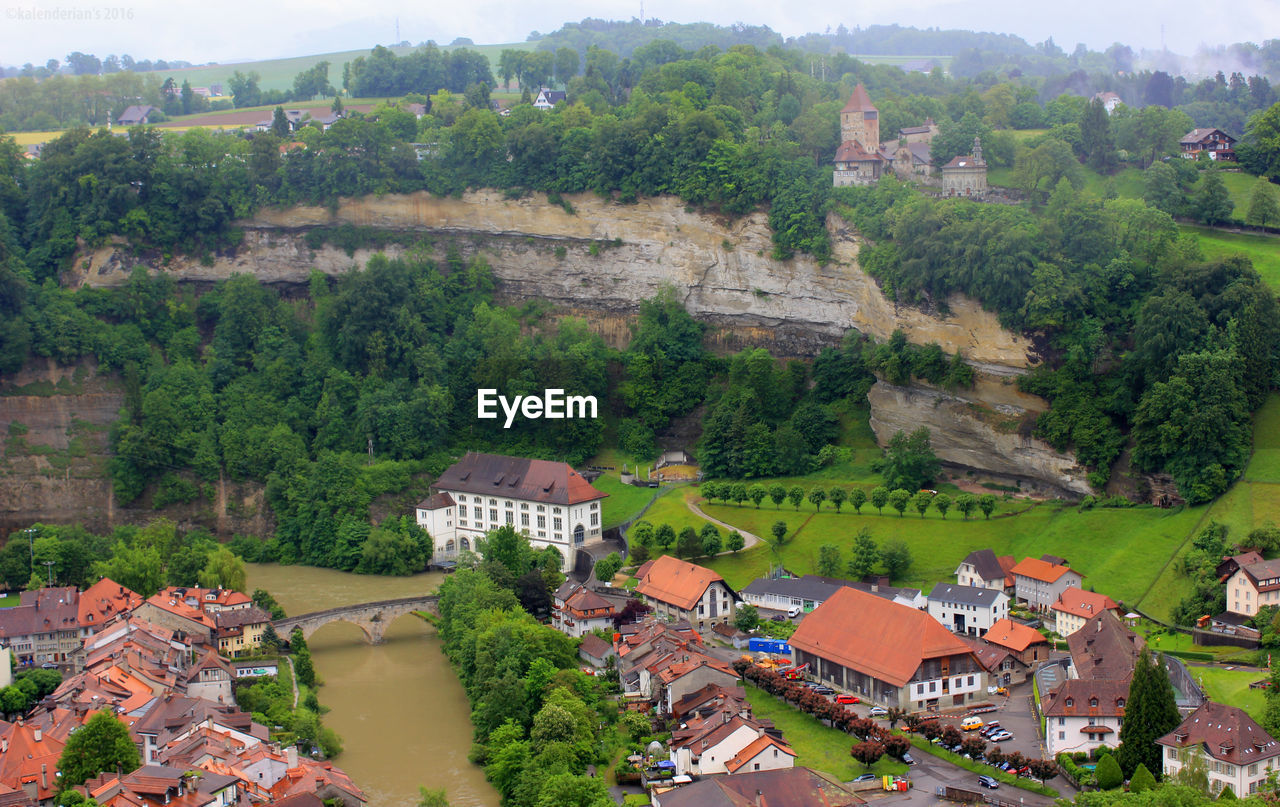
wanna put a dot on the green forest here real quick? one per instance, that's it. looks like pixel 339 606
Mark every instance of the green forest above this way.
pixel 1145 345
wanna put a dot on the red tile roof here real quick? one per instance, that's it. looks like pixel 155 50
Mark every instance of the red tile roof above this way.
pixel 1084 604
pixel 1226 733
pixel 518 478
pixel 103 600
pixel 677 582
pixel 1016 637
pixel 851 151
pixel 859 101
pixel 875 636
pixel 436 502
pixel 1086 697
pixel 753 750
pixel 1037 569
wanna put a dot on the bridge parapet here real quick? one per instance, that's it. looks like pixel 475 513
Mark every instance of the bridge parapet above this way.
pixel 371 617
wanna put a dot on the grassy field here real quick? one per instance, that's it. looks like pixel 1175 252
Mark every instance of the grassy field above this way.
pixel 1231 686
pixel 8 600
pixel 817 746
pixel 1262 250
pixel 1121 552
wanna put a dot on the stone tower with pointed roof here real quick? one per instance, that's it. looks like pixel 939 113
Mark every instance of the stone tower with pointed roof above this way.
pixel 860 120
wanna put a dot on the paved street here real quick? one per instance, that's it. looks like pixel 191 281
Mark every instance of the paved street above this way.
pixel 930 772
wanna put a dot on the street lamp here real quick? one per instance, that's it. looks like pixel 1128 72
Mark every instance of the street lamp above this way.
pixel 49 565
pixel 31 545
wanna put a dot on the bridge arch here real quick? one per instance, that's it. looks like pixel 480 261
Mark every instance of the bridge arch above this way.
pixel 371 617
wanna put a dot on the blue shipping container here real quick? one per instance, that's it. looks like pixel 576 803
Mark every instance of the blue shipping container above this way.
pixel 769 646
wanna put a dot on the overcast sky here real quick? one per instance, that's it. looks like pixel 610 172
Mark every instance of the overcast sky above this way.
pixel 230 30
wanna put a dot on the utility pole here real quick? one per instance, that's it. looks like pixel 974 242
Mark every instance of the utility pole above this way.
pixel 31 545
pixel 49 565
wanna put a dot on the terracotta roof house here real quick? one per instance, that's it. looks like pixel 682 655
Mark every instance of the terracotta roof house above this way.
pixel 690 673
pixel 44 626
pixel 887 653
pixel 710 699
pixel 101 601
pixel 549 502
pixel 29 762
pixel 1074 607
pixel 1039 583
pixel 583 612
pixel 1084 713
pixel 765 754
pixel 1027 644
pixel 1253 586
pixel 681 590
pixel 1240 753
pixel 1002 664
pixel 1105 648
pixel 1216 143
pixel 176 614
pixel 786 787
pixel 968 610
pixel 240 631
pixel 984 569
pixel 706 748
pixel 857 159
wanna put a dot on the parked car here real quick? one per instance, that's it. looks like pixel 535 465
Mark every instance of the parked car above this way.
pixel 823 689
pixel 845 697
pixel 971 723
pixel 867 777
pixel 1000 736
pixel 779 618
pixel 878 711
pixel 991 728
pixel 987 781
pixel 793 611
pixel 907 758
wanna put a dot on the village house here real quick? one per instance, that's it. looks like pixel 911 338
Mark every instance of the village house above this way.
pixel 1003 666
pixel 1105 648
pixel 706 746
pixel 174 613
pixel 1083 714
pixel 29 763
pixel 240 631
pixel 857 160
pixel 577 611
pixel 1109 100
pixel 1039 582
pixel 809 591
pixel 1216 144
pixel 547 99
pixel 1237 752
pixel 1074 607
pixel 887 653
pixel 984 569
pixel 967 610
pixel 678 590
pixel 549 502
pixel 136 115
pixel 100 602
pixel 1027 645
pixel 1232 563
pixel 596 651
pixel 44 627
pixel 1253 586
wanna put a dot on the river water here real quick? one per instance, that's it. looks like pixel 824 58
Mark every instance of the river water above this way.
pixel 400 710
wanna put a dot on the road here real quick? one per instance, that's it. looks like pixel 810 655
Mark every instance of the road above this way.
pixel 931 772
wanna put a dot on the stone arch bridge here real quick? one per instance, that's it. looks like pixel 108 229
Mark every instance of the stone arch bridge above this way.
pixel 370 617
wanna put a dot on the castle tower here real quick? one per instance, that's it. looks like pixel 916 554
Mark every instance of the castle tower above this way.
pixel 860 121
pixel 977 151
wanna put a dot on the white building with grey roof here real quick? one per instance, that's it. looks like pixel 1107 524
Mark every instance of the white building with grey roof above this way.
pixel 967 610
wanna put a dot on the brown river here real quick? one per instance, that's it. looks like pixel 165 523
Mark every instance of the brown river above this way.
pixel 402 715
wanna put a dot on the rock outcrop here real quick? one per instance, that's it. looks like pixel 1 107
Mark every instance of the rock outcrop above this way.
pixel 600 260
pixel 972 433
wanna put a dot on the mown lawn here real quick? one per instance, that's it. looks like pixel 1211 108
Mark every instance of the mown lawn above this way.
pixel 8 600
pixel 1262 250
pixel 624 500
pixel 1121 552
pixel 817 746
pixel 1232 687
pixel 670 508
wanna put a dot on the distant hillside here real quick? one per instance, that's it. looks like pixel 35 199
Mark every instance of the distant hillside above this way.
pixel 277 74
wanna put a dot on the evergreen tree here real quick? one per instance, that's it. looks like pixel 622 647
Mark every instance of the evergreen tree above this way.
pixel 865 555
pixel 1212 200
pixel 1141 780
pixel 1150 712
pixel 1109 775
pixel 1095 137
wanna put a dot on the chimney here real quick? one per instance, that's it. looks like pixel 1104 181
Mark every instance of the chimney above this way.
pixel 4 745
pixel 44 776
pixel 291 756
pixel 37 735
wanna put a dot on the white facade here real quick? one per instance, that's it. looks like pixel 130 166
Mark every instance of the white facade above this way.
pixel 712 758
pixel 967 618
pixel 1068 733
pixel 715 605
pixel 1040 595
pixel 456 528
pixel 965 686
pixel 1245 595
pixel 1244 780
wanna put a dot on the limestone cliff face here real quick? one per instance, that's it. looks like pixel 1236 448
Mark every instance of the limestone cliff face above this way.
pixel 972 433
pixel 600 261
pixel 721 268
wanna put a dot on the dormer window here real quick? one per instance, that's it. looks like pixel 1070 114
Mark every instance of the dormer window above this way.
pixel 1119 703
pixel 1070 702
pixel 1093 703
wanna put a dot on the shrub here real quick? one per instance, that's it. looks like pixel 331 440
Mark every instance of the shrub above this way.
pixel 1142 780
pixel 1109 775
